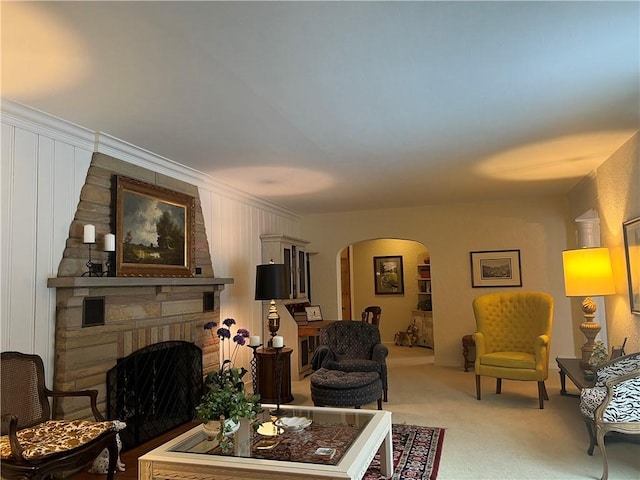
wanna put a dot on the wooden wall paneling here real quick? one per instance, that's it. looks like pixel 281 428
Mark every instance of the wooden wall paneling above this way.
pixel 44 324
pixel 23 233
pixel 6 197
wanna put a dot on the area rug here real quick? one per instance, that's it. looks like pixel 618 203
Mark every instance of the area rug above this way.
pixel 416 453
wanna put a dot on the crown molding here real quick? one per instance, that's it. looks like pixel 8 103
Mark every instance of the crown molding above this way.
pixel 42 123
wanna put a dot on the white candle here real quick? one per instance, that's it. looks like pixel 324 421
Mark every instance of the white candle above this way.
pixel 109 242
pixel 89 234
pixel 278 341
pixel 254 340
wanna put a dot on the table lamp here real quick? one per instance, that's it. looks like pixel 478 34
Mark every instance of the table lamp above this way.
pixel 587 273
pixel 272 284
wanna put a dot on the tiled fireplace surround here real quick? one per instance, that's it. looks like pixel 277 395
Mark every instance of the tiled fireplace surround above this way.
pixel 137 311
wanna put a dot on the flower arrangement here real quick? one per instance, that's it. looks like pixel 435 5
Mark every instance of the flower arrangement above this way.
pixel 599 356
pixel 225 397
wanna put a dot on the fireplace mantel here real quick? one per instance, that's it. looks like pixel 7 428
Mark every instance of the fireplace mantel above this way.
pixel 97 282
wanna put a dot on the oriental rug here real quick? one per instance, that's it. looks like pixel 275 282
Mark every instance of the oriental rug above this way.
pixel 416 453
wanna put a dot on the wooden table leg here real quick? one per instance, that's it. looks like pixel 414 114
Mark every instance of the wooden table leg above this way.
pixel 563 382
pixel 145 470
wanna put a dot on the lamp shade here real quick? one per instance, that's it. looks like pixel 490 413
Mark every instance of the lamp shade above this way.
pixel 271 282
pixel 587 272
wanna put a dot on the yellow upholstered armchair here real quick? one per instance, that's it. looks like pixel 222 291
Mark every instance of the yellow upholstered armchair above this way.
pixel 513 337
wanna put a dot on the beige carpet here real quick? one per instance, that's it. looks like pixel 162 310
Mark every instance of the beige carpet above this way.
pixel 502 436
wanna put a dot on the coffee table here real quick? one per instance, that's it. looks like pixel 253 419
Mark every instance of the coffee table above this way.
pixel 354 435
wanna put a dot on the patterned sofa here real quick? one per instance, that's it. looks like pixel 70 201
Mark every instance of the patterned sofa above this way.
pixel 613 403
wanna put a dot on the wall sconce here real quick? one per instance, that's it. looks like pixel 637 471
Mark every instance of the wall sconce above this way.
pixel 272 284
pixel 587 273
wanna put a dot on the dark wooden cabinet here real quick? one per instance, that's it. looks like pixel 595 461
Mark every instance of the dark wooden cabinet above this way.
pixel 267 378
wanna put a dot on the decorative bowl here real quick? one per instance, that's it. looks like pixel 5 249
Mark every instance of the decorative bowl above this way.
pixel 293 424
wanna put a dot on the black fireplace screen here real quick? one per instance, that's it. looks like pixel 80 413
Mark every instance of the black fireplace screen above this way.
pixel 154 390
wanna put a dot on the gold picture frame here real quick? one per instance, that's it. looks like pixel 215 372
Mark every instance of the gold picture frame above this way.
pixel 631 230
pixel 154 230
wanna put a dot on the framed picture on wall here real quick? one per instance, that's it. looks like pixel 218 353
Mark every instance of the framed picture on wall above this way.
pixel 631 229
pixel 154 230
pixel 388 275
pixel 496 268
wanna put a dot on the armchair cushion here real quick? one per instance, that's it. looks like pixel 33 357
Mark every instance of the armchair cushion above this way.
pixel 54 436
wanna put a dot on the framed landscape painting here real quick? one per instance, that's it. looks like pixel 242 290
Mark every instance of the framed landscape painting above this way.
pixel 154 230
pixel 496 268
pixel 631 230
pixel 388 275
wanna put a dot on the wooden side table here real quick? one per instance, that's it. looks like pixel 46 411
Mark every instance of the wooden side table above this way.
pixel 467 344
pixel 267 381
pixel 570 367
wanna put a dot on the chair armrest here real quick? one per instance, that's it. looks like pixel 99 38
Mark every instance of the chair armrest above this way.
pixel 611 391
pixel 92 394
pixel 481 347
pixel 542 350
pixel 380 352
pixel 16 448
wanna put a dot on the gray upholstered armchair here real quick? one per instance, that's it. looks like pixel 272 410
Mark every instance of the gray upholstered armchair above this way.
pixel 352 346
pixel 613 403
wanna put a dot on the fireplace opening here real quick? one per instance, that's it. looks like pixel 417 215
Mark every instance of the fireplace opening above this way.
pixel 154 390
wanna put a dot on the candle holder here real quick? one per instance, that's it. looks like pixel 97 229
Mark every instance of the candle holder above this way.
pixel 93 269
pixel 278 367
pixel 110 270
pixel 254 368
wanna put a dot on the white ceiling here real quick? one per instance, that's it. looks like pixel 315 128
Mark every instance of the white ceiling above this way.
pixel 334 106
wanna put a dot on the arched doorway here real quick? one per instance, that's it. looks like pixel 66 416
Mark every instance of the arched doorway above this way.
pixel 410 306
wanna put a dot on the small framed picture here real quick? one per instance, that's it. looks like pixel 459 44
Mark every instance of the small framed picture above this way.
pixel 496 268
pixel 313 313
pixel 388 275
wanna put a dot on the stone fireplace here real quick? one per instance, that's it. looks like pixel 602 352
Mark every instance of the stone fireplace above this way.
pixel 132 312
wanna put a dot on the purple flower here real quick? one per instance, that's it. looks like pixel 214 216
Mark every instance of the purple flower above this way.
pixel 244 332
pixel 223 333
pixel 228 322
pixel 239 339
pixel 209 325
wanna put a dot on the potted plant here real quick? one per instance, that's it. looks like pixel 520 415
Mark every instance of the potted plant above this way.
pixel 225 401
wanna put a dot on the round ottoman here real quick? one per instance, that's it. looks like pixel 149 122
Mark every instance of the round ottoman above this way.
pixel 345 389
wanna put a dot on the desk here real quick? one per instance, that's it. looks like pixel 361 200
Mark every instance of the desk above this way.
pixel 570 367
pixel 308 341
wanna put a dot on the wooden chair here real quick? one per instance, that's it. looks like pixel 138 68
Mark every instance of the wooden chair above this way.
pixel 32 445
pixel 372 315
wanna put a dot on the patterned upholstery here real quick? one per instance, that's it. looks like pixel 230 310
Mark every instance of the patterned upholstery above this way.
pixel 345 389
pixel 54 436
pixel 513 337
pixel 352 346
pixel 613 403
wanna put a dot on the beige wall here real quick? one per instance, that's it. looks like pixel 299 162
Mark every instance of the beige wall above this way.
pixel 396 309
pixel 538 228
pixel 614 192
